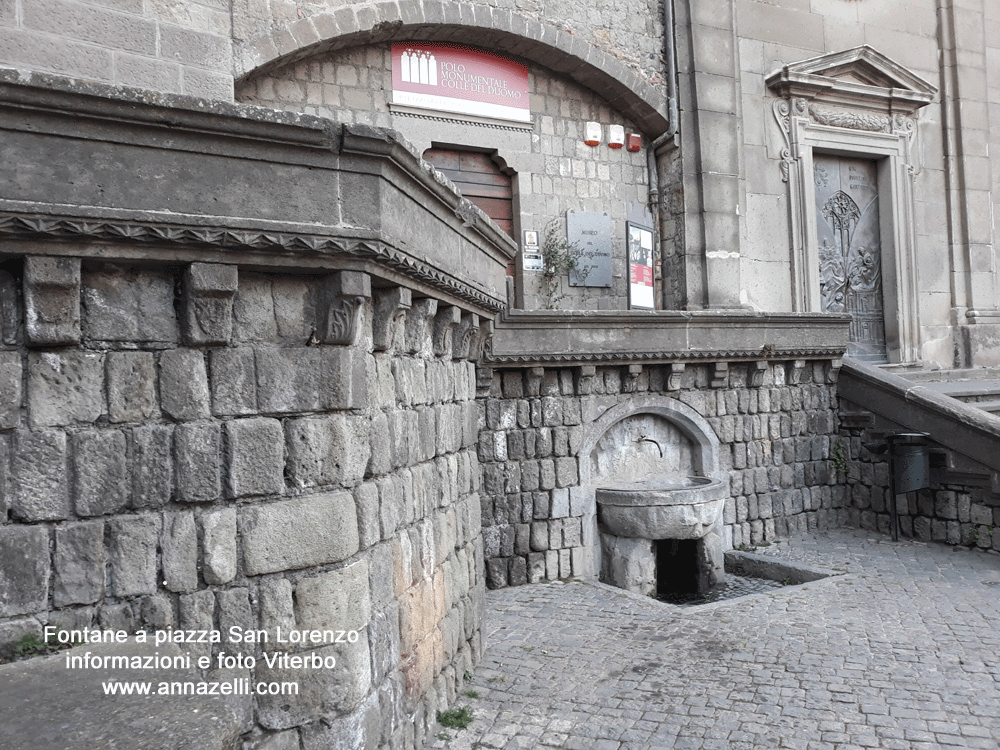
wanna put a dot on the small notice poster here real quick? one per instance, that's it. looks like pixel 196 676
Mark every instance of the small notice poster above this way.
pixel 459 80
pixel 640 267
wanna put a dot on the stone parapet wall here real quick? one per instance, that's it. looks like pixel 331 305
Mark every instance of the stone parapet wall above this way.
pixel 202 461
pixel 775 425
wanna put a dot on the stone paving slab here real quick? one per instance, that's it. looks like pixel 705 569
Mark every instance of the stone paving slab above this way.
pixel 903 651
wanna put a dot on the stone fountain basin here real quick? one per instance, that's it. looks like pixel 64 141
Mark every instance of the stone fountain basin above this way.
pixel 661 507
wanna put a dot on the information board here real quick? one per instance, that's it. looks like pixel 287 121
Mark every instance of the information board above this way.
pixel 590 234
pixel 640 267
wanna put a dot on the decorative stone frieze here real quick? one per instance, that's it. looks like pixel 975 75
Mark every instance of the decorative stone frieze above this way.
pixel 676 372
pixel 465 336
pixel 720 375
pixel 756 372
pixel 419 320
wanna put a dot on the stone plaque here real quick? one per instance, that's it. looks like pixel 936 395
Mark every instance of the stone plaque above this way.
pixel 850 250
pixel 590 234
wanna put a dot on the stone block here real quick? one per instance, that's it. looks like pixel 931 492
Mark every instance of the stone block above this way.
pixel 38 476
pixel 152 466
pixel 100 472
pixel 132 554
pixel 566 472
pixel 233 606
pixel 337 600
pixel 369 532
pixel 304 379
pixel 209 289
pixel 233 381
pixel 255 457
pixel 197 612
pixel 65 388
pixel 129 305
pixel 316 449
pixel 79 564
pixel 322 692
pixel 184 385
pixel 24 570
pixel 276 608
pixel 341 306
pixel 10 311
pixel 300 533
pixel 179 545
pixel 156 613
pixel 10 390
pixel 560 503
pixel 131 381
pixel 52 300
pixel 253 310
pixel 218 543
pixel 197 453
pixel 294 312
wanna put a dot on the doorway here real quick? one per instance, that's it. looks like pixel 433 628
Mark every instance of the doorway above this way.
pixel 480 179
pixel 850 249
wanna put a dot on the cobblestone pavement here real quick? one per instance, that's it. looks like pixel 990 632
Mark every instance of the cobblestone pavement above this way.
pixel 902 651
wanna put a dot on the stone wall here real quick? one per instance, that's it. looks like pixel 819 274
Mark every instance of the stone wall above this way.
pixel 775 425
pixel 189 460
pixel 167 47
pixel 220 408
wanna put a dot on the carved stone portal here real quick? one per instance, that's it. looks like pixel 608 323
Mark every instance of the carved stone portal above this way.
pixel 850 249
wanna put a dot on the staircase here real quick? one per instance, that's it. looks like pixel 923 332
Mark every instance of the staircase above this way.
pixel 979 388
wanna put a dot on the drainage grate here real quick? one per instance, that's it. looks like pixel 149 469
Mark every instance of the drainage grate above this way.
pixel 733 587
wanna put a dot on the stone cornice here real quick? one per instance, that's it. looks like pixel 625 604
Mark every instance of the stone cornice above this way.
pixel 255 240
pixel 570 338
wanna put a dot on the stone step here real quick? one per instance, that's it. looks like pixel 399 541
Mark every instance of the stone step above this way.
pixel 924 376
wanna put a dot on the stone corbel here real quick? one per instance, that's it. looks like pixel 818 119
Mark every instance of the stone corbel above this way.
pixel 833 370
pixel 585 380
pixel 632 379
pixel 795 371
pixel 674 373
pixel 720 375
pixel 445 323
pixel 209 290
pixel 482 342
pixel 464 337
pixel 52 300
pixel 534 381
pixel 418 321
pixel 755 373
pixel 343 306
pixel 390 313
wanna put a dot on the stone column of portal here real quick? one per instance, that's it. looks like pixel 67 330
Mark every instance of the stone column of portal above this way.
pixel 711 145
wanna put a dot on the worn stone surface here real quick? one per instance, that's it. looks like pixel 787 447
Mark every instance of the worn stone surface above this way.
pixel 11 322
pixel 24 569
pixel 218 543
pixel 317 448
pixel 65 388
pixel 39 482
pixel 179 550
pixel 100 472
pixel 129 305
pixel 338 600
pixel 255 457
pixel 197 449
pixel 52 300
pixel 208 303
pixel 298 533
pixel 152 465
pixel 131 379
pixel 132 544
pixel 184 384
pixel 233 381
pixel 79 564
pixel 10 389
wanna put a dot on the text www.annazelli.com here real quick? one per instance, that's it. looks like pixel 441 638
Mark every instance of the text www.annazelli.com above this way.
pixel 241 686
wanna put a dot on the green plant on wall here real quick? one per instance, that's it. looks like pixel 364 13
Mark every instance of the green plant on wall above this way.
pixel 559 256
pixel 838 457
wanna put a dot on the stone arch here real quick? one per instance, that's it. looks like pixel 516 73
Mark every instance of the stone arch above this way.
pixel 495 29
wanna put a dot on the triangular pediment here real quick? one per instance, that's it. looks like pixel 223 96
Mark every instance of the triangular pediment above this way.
pixel 862 76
